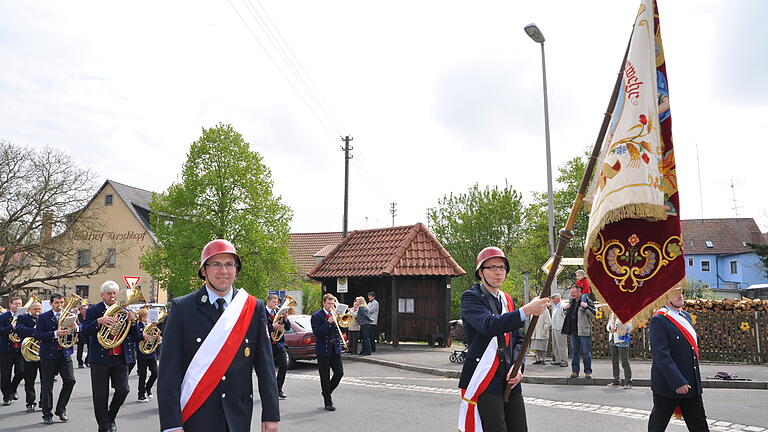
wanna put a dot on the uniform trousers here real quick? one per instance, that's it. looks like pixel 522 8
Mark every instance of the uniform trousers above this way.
pixel 145 385
pixel 281 361
pixel 498 416
pixel 115 371
pixel 82 343
pixel 328 384
pixel 62 366
pixel 11 373
pixel 692 408
pixel 30 375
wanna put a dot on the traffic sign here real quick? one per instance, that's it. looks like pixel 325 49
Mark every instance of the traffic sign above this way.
pixel 548 265
pixel 131 281
pixel 572 261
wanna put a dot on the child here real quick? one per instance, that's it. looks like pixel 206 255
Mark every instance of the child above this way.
pixel 583 283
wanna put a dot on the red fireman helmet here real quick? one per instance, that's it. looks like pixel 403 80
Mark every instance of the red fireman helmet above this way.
pixel 486 254
pixel 215 247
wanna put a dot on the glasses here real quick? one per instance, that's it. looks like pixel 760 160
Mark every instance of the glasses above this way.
pixel 219 266
pixel 494 268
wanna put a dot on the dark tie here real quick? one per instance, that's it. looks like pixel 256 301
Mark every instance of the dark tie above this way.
pixel 220 306
pixel 498 304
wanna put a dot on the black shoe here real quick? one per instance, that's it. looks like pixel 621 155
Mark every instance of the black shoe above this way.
pixel 149 393
pixel 87 365
pixel 282 395
pixel 6 402
pixel 63 417
pixel 80 366
pixel 330 407
pixel 30 408
pixel 48 420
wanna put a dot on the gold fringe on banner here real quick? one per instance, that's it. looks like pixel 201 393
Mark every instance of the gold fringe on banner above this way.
pixel 648 212
pixel 647 312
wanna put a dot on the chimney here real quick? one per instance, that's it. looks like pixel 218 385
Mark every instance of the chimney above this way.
pixel 46 231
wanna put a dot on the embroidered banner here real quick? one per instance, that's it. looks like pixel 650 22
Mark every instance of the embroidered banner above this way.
pixel 635 253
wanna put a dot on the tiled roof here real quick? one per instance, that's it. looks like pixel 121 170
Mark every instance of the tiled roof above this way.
pixel 727 236
pixel 138 201
pixel 304 246
pixel 397 251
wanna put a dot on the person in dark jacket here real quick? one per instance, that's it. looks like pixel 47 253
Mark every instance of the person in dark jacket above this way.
pixel 146 361
pixel 492 333
pixel 579 316
pixel 25 327
pixel 11 362
pixel 327 349
pixel 82 343
pixel 675 377
pixel 278 346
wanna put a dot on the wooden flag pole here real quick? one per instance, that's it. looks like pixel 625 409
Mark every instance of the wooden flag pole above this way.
pixel 566 234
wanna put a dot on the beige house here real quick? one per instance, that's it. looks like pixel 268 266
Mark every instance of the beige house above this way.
pixel 119 238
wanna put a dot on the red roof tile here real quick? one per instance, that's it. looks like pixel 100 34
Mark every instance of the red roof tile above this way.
pixel 305 245
pixel 398 251
pixel 727 236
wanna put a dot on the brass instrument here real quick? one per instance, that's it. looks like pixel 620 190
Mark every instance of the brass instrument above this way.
pixel 30 349
pixel 345 319
pixel 152 333
pixel 13 336
pixel 68 312
pixel 288 303
pixel 336 321
pixel 114 335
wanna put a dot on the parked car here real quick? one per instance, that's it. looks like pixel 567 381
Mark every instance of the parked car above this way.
pixel 300 341
pixel 136 307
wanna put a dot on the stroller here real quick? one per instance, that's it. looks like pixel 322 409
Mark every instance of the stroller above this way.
pixel 457 333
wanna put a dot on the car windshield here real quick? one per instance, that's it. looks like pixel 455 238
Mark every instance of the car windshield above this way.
pixel 303 321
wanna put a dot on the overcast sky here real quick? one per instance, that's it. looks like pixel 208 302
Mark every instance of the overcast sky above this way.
pixel 438 95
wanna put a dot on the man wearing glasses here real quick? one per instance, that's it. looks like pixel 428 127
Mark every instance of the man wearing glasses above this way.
pixel 492 333
pixel 213 339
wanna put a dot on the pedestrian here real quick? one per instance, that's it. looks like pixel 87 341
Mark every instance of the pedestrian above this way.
pixel 618 343
pixel 328 348
pixel 354 332
pixel 146 361
pixel 277 328
pixel 82 343
pixel 492 333
pixel 11 361
pixel 25 328
pixel 373 312
pixel 559 340
pixel 540 337
pixel 54 360
pixel 362 316
pixel 675 376
pixel 579 316
pixel 196 394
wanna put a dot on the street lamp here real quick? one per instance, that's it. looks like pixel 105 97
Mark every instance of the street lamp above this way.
pixel 535 33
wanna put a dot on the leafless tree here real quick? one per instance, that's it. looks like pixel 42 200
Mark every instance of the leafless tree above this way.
pixel 43 194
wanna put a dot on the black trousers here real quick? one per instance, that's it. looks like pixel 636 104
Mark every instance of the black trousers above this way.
pixel 281 361
pixel 82 343
pixel 145 385
pixel 115 371
pixel 328 384
pixel 30 375
pixel 61 366
pixel 11 373
pixel 498 416
pixel 692 408
pixel 374 336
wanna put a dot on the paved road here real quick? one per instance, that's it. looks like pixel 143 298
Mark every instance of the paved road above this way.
pixel 387 399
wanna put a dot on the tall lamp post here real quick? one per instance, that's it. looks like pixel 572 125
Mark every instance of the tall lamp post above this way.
pixel 534 33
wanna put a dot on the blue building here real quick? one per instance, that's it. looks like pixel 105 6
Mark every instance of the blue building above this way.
pixel 717 254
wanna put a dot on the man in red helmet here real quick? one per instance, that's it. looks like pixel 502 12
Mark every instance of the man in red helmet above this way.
pixel 217 322
pixel 493 337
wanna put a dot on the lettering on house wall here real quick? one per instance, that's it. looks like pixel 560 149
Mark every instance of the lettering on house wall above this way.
pixel 110 235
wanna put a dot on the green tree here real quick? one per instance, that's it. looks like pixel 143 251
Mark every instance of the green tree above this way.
pixel 762 253
pixel 466 223
pixel 225 192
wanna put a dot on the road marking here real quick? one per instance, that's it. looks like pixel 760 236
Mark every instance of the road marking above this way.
pixel 715 425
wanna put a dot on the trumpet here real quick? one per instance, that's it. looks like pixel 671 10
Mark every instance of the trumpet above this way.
pixel 288 304
pixel 13 336
pixel 336 321
pixel 69 316
pixel 152 332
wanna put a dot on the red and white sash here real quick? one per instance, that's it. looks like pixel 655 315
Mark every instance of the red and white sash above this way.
pixel 469 417
pixel 213 358
pixel 683 325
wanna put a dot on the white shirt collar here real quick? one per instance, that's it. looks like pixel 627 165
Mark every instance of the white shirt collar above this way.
pixel 213 296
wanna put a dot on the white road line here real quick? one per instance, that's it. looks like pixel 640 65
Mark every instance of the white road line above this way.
pixel 715 425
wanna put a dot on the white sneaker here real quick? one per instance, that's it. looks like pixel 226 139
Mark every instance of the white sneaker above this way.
pixel 144 399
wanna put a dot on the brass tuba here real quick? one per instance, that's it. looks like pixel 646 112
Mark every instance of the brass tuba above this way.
pixel 30 349
pixel 152 333
pixel 67 317
pixel 288 303
pixel 114 335
pixel 345 319
pixel 13 336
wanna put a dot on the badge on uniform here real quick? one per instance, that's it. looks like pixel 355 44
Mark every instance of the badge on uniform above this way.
pixel 204 298
pixel 247 352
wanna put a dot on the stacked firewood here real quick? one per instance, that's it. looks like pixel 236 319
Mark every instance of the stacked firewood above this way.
pixel 727 304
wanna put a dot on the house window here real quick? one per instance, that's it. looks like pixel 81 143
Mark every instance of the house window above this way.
pixel 690 262
pixel 82 291
pixel 734 267
pixel 108 199
pixel 405 305
pixel 111 258
pixel 709 244
pixel 705 265
pixel 83 258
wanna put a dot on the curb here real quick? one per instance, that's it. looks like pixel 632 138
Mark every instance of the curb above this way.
pixel 550 380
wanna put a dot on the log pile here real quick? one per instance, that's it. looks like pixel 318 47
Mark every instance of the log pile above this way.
pixel 727 304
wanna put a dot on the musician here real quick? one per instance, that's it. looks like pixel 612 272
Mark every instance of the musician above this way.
pixel 11 361
pixel 220 322
pixel 25 327
pixel 82 343
pixel 492 333
pixel 146 361
pixel 675 377
pixel 327 349
pixel 362 316
pixel 108 365
pixel 278 347
pixel 54 360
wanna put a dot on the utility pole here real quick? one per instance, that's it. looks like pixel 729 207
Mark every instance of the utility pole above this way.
pixel 347 148
pixel 393 211
pixel 735 206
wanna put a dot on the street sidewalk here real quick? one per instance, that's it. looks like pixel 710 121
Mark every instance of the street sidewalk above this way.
pixel 435 361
